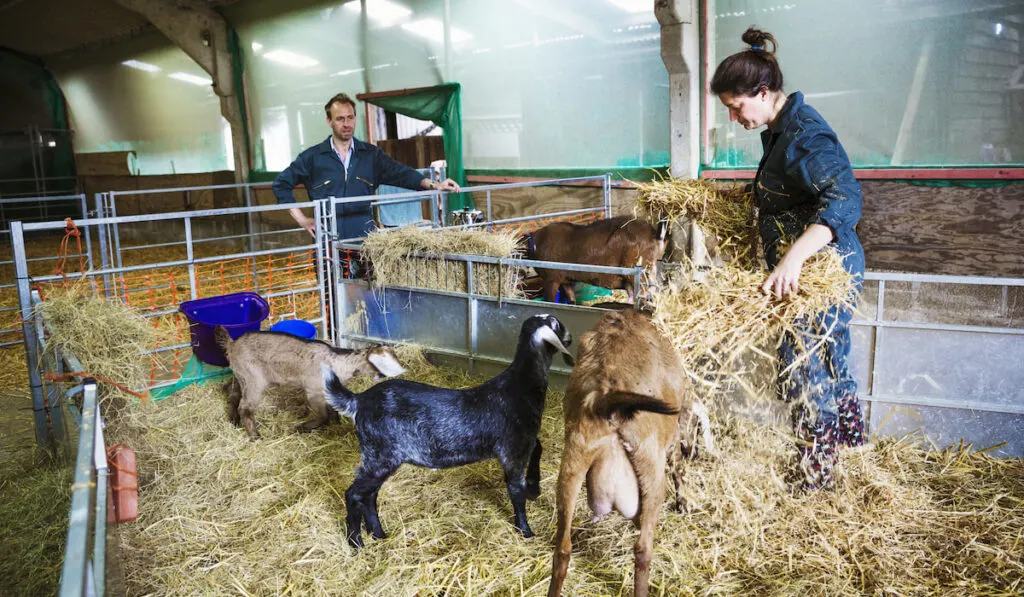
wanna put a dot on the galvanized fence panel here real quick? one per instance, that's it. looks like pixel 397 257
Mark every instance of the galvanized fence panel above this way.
pixel 36 209
pixel 949 382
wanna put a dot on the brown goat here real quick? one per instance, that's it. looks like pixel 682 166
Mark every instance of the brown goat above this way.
pixel 616 242
pixel 263 359
pixel 626 399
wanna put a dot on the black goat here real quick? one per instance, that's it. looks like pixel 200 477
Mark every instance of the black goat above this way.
pixel 399 421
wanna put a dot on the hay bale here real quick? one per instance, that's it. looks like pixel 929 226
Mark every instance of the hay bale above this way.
pixel 726 330
pixel 391 253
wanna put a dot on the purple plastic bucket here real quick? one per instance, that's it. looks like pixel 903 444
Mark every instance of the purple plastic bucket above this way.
pixel 238 313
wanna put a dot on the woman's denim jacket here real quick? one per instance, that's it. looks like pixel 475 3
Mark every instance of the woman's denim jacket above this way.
pixel 806 178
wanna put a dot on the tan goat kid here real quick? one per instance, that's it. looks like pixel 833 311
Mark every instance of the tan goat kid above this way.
pixel 626 399
pixel 263 359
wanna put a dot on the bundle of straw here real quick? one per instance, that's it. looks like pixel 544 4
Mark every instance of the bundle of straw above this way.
pixel 725 329
pixel 722 325
pixel 414 257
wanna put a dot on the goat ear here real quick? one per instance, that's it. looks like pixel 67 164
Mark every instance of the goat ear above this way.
pixel 548 335
pixel 386 364
pixel 662 232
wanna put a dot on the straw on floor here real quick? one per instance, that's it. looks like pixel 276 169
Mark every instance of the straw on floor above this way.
pixel 221 514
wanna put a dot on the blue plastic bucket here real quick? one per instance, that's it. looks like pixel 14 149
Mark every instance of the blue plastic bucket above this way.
pixel 295 327
pixel 238 313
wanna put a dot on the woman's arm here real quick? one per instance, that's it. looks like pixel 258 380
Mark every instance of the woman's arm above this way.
pixel 784 278
pixel 824 171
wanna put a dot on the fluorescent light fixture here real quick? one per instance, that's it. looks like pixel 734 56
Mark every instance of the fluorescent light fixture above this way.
pixel 290 58
pixel 351 71
pixel 382 11
pixel 433 30
pixel 51 144
pixel 999 28
pixel 634 5
pixel 193 79
pixel 256 46
pixel 149 68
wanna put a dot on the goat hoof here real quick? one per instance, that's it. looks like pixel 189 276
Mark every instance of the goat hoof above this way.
pixel 526 531
pixel 532 492
pixel 356 541
pixel 381 535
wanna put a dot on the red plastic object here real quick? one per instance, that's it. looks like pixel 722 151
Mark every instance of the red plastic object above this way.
pixel 123 486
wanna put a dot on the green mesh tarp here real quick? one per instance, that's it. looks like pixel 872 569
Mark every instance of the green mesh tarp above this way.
pixel 196 372
pixel 33 99
pixel 442 106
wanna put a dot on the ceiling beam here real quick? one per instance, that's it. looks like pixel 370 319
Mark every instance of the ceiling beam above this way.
pixel 202 33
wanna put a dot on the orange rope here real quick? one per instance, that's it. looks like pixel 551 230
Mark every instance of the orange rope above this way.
pixel 124 291
pixel 111 462
pixel 177 322
pixel 290 268
pixel 249 264
pixel 62 255
pixel 52 377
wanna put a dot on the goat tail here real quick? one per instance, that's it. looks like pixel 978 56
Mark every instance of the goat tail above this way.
pixel 627 404
pixel 701 412
pixel 337 395
pixel 223 337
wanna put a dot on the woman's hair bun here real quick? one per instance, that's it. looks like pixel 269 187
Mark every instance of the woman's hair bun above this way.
pixel 759 40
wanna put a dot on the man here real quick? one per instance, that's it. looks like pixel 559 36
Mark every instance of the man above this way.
pixel 343 166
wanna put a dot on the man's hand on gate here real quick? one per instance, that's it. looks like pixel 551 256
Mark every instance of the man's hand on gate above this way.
pixel 300 218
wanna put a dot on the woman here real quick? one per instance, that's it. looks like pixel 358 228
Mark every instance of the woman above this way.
pixel 806 195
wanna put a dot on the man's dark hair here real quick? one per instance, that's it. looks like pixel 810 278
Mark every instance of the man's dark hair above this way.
pixel 341 97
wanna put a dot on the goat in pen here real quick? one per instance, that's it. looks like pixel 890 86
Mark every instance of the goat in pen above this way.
pixel 401 421
pixel 263 359
pixel 626 402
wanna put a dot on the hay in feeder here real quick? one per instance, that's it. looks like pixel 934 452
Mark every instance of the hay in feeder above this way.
pixel 105 335
pixel 220 514
pixel 391 253
pixel 724 213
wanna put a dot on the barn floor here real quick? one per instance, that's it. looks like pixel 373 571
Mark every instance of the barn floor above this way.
pixel 221 515
pixel 224 515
